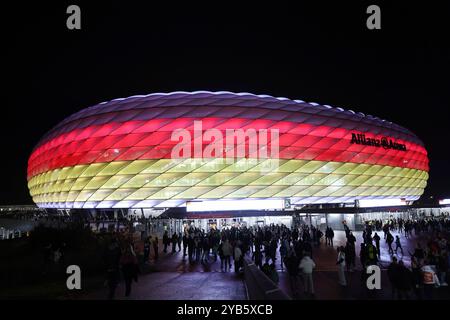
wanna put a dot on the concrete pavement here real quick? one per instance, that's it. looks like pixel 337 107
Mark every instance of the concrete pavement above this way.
pixel 173 277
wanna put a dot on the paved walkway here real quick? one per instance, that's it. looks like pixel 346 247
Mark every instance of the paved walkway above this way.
pixel 173 277
pixel 181 286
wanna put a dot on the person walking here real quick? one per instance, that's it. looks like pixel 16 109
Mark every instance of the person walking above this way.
pixel 363 256
pixel 205 250
pixel 389 241
pixel 221 256
pixel 257 256
pixel 147 244
pixel 185 244
pixel 174 242
pixel 331 236
pixel 319 235
pixel 237 258
pixel 349 256
pixel 274 274
pixel 377 239
pixel 430 280
pixel 307 266
pixel 227 251
pixel 405 280
pixel 112 262
pixel 393 276
pixel 156 247
pixel 191 248
pixel 341 266
pixel 129 268
pixel 197 248
pixel 371 254
pixel 179 239
pixel 442 267
pixel 398 245
pixel 165 241
pixel 292 265
pixel 283 252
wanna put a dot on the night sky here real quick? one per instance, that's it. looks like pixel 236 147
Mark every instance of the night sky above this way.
pixel 322 54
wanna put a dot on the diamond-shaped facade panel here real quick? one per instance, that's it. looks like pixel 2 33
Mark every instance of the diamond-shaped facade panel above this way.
pixel 144 151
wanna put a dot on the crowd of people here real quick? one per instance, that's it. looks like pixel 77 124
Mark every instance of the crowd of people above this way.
pixel 276 247
pixel 430 260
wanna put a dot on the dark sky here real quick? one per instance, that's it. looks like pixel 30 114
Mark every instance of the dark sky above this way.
pixel 322 53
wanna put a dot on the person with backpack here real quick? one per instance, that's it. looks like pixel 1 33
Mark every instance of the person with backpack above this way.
pixel 371 255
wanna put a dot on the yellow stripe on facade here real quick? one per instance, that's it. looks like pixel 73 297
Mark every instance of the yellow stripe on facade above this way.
pixel 215 179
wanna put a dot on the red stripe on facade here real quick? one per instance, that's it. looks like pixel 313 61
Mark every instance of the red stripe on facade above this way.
pixel 133 140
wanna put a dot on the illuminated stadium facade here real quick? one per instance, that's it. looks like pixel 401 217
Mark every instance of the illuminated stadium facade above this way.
pixel 180 148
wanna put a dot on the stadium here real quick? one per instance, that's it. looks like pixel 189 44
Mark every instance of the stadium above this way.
pixel 202 153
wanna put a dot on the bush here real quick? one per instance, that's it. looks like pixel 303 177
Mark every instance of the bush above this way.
pixel 74 236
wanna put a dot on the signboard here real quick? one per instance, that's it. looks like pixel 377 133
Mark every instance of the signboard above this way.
pixel 384 142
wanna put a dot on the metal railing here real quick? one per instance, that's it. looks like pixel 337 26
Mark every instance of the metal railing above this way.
pixel 259 286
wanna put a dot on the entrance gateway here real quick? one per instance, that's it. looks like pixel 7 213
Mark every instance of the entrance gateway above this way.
pixel 177 220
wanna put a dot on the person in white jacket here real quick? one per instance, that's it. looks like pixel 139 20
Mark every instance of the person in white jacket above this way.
pixel 306 266
pixel 341 266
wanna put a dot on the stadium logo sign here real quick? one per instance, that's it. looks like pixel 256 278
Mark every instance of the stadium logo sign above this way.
pixel 384 142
